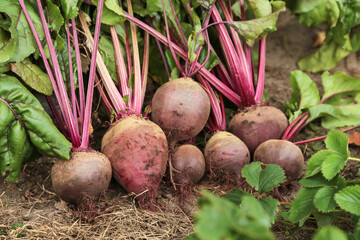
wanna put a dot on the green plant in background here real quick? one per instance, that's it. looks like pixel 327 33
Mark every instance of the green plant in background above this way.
pixel 241 214
pixel 343 34
pixel 325 193
pixel 25 129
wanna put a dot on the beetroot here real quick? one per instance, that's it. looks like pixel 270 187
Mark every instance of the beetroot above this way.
pixel 257 124
pixel 181 108
pixel 188 165
pixel 284 153
pixel 138 152
pixel 85 174
pixel 226 154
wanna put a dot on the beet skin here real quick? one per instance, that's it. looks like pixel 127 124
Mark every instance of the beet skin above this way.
pixel 85 174
pixel 138 152
pixel 226 154
pixel 189 165
pixel 181 108
pixel 257 124
pixel 284 153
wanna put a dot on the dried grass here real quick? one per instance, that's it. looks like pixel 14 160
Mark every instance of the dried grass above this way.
pixel 30 210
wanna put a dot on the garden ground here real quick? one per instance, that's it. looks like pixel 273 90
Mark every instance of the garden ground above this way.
pixel 31 210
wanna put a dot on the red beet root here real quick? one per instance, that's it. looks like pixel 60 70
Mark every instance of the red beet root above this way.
pixel 284 153
pixel 181 108
pixel 226 154
pixel 138 152
pixel 188 165
pixel 85 174
pixel 256 125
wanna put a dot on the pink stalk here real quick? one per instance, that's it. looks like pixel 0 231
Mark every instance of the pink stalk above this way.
pixel 72 85
pixel 224 75
pixel 221 87
pixel 163 58
pixel 90 91
pixel 46 63
pixel 215 106
pixel 58 117
pixel 222 105
pixel 127 49
pixel 291 126
pixel 182 34
pixel 246 47
pixel 297 128
pixel 114 96
pixel 238 73
pixel 261 74
pixel 72 121
pixel 145 68
pixel 170 45
pixel 121 66
pixel 79 72
pixel 323 137
pixel 60 91
pixel 238 46
pixel 137 69
pixel 41 49
pixel 103 96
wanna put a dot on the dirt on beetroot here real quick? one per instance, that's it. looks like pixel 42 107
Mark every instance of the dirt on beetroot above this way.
pixel 30 209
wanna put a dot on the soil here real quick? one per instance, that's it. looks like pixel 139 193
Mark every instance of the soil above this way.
pixel 30 209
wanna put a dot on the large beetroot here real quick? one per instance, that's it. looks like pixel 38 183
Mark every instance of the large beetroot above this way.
pixel 87 173
pixel 226 154
pixel 255 125
pixel 137 149
pixel 283 153
pixel 181 108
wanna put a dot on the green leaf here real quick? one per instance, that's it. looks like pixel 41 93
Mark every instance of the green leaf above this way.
pixel 212 61
pixel 263 180
pixel 322 110
pixel 252 207
pixel 221 219
pixel 235 196
pixel 195 40
pixel 323 220
pixel 330 233
pixel 260 8
pixel 338 141
pixel 69 8
pixel 305 93
pixel 348 115
pixel 38 125
pixel 270 205
pixel 320 12
pixel 332 165
pixel 337 83
pixel 303 205
pixel 253 29
pixel 7 46
pixel 33 76
pixel 19 29
pixel 252 173
pixel 324 199
pixel 216 218
pixel 4 68
pixel 112 13
pixel 349 199
pixel 326 58
pixel 319 180
pixel 315 162
pixel 56 20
